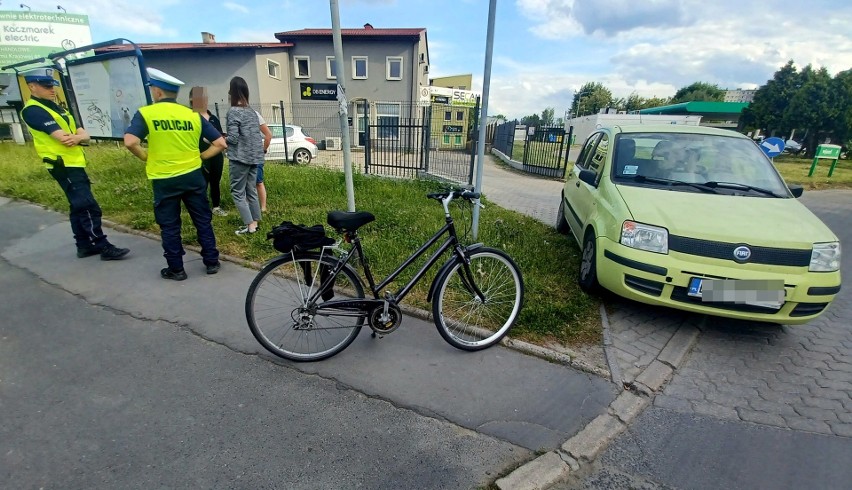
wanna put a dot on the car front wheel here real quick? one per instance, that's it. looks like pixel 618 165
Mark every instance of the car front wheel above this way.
pixel 302 156
pixel 588 277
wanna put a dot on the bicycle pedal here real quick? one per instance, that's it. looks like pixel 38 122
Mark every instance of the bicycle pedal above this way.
pixel 375 335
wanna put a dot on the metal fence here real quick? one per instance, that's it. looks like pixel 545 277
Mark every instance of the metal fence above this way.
pixel 543 151
pixel 398 139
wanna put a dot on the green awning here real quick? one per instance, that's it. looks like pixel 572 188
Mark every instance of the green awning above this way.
pixel 698 107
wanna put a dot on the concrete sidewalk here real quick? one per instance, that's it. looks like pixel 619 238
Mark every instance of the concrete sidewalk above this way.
pixel 516 402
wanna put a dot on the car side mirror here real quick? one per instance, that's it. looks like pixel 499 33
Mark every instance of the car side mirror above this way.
pixel 797 190
pixel 588 177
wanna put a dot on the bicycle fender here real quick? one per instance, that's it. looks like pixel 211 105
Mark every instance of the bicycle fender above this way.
pixel 448 265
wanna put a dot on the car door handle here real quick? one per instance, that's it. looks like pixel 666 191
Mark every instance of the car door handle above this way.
pixel 578 183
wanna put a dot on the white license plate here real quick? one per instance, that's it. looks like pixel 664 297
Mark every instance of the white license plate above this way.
pixel 762 293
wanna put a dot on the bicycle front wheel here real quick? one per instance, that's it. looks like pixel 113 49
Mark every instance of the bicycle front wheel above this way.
pixel 467 320
pixel 284 320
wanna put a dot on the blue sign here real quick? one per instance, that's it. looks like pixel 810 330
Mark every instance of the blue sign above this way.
pixel 772 146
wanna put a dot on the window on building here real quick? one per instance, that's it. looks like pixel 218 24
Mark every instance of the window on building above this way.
pixel 273 68
pixel 394 67
pixel 330 68
pixel 387 117
pixel 359 67
pixel 448 116
pixel 458 141
pixel 446 139
pixel 303 66
pixel 459 115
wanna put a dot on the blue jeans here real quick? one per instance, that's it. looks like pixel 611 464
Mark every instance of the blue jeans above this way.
pixel 190 189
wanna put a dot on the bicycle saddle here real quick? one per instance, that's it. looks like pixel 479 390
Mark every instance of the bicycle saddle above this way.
pixel 346 221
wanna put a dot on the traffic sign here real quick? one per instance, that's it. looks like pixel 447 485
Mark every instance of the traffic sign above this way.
pixel 772 146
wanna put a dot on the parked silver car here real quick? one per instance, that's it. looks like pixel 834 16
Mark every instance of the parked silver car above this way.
pixel 301 148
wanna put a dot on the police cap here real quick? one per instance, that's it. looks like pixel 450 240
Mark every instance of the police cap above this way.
pixel 41 76
pixel 163 80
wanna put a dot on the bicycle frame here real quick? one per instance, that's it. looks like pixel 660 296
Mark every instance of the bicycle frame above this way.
pixel 451 242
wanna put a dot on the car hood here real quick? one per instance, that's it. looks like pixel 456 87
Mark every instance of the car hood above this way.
pixel 784 223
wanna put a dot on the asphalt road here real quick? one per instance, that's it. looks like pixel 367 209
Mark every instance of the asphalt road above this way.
pixel 111 377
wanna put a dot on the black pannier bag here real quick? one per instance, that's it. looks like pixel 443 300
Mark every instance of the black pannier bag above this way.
pixel 287 236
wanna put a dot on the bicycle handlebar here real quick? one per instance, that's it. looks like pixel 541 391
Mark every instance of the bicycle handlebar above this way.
pixel 463 193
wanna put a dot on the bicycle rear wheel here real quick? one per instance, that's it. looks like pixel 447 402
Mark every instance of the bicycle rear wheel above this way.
pixel 462 318
pixel 286 324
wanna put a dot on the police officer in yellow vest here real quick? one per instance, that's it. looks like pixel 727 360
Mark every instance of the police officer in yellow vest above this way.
pixel 173 164
pixel 57 141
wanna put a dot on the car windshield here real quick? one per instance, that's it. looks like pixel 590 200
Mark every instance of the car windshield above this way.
pixel 725 163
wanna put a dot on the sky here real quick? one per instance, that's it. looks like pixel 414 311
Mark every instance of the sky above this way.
pixel 544 50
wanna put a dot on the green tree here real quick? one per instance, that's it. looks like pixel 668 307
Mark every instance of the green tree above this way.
pixel 635 102
pixel 699 91
pixel 842 87
pixel 591 98
pixel 531 120
pixel 547 116
pixel 813 107
pixel 770 102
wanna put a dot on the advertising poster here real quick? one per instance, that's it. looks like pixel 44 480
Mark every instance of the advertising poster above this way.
pixel 108 92
pixel 26 35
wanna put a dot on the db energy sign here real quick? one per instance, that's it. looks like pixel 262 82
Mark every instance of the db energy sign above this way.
pixel 26 35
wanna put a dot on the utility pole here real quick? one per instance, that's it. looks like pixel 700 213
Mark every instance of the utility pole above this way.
pixel 344 104
pixel 486 84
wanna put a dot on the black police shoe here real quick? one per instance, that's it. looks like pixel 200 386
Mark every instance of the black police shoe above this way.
pixel 173 275
pixel 83 252
pixel 111 252
pixel 212 269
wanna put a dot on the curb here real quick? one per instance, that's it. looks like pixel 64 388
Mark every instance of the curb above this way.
pixel 582 449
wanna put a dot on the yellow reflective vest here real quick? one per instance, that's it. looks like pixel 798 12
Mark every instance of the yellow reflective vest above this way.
pixel 173 134
pixel 48 147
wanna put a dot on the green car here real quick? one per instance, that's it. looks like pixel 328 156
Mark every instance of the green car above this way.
pixel 697 219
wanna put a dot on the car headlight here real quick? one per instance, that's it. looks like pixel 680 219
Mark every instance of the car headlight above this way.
pixel 825 257
pixel 645 237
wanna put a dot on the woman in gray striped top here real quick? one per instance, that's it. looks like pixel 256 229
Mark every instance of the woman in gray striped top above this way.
pixel 245 153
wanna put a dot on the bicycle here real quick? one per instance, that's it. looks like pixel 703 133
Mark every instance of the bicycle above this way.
pixel 307 305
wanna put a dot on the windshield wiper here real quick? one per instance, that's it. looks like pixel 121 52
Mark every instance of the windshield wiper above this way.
pixel 737 185
pixel 658 180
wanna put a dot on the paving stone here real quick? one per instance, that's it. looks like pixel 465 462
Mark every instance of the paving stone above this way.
pixel 823 403
pixel 772 407
pixel 801 423
pixel 840 429
pixel 761 417
pixel 814 413
pixel 714 410
pixel 673 403
pixel 835 385
pixel 679 390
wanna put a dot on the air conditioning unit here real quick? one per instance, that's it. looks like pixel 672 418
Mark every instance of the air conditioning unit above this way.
pixel 332 143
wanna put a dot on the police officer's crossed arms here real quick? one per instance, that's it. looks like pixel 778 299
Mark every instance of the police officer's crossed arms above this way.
pixel 57 141
pixel 173 165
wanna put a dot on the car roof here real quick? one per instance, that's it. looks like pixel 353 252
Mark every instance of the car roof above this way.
pixel 672 128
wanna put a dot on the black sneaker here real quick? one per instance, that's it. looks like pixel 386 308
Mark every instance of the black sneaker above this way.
pixel 212 269
pixel 173 275
pixel 111 252
pixel 83 252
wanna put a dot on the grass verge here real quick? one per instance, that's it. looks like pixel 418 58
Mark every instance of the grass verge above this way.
pixel 554 308
pixel 795 171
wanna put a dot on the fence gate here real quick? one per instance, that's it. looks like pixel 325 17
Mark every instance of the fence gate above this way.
pixel 437 144
pixel 545 151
